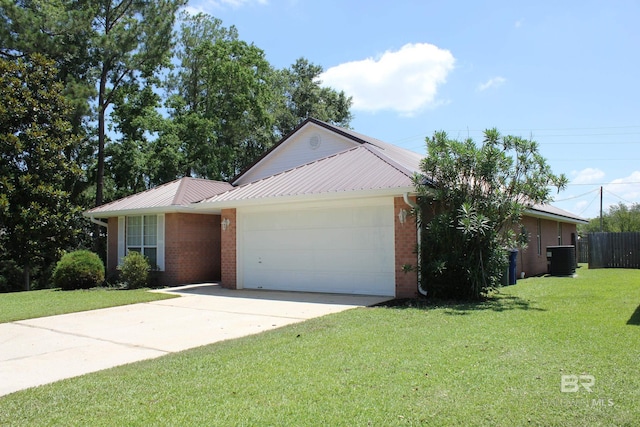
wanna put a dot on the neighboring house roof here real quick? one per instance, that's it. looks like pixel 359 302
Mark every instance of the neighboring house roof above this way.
pixel 552 212
pixel 360 169
pixel 176 195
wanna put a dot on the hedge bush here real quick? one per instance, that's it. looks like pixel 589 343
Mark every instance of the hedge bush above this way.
pixel 78 270
pixel 134 270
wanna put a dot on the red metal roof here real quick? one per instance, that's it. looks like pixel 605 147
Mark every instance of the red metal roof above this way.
pixel 404 158
pixel 357 169
pixel 179 193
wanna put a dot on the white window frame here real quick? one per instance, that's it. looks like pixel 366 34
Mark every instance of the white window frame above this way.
pixel 123 248
pixel 559 233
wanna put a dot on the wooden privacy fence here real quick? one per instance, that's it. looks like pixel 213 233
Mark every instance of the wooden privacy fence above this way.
pixel 614 250
pixel 582 249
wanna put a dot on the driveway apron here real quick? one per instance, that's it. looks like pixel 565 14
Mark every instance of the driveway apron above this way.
pixel 40 351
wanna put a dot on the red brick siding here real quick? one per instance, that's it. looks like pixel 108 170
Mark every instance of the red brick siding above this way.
pixel 405 251
pixel 192 249
pixel 228 254
pixel 191 252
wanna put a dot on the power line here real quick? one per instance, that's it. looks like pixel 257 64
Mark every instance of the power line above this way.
pixel 591 160
pixel 607 183
pixel 535 131
pixel 576 197
pixel 623 199
pixel 590 203
pixel 591 143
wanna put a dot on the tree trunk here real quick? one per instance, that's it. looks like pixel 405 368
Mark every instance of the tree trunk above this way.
pixel 26 275
pixel 101 138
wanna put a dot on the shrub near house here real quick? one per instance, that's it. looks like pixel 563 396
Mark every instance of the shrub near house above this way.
pixel 482 193
pixel 134 270
pixel 78 270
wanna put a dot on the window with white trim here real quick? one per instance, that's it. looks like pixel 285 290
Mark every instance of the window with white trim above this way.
pixel 142 236
pixel 559 233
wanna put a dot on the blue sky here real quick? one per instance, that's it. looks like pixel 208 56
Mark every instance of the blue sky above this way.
pixel 565 73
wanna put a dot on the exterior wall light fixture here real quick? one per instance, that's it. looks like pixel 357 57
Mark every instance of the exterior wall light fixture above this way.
pixel 402 216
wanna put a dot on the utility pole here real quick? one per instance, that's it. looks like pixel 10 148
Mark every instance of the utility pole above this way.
pixel 601 227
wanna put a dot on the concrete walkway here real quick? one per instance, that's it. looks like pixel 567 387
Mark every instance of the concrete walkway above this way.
pixel 40 351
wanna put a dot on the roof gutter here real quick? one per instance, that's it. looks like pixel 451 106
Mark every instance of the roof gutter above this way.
pixel 97 221
pixel 414 205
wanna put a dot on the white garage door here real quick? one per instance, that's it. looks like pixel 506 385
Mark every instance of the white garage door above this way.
pixel 342 248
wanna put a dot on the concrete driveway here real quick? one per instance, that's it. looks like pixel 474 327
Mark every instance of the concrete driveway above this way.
pixel 40 351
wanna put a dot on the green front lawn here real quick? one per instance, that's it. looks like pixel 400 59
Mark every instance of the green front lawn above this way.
pixel 28 305
pixel 499 363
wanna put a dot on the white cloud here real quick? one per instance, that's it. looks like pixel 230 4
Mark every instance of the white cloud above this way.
pixel 587 176
pixel 627 188
pixel 492 82
pixel 206 6
pixel 518 23
pixel 404 81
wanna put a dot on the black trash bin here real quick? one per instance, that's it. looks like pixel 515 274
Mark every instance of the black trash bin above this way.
pixel 513 263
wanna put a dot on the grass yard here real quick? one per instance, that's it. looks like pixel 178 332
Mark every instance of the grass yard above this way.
pixel 28 305
pixel 499 363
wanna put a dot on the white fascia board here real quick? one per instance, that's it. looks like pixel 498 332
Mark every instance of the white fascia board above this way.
pixel 342 195
pixel 148 211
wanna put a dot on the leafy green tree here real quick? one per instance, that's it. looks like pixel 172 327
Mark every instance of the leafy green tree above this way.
pixel 302 96
pixel 101 48
pixel 35 133
pixel 62 31
pixel 132 41
pixel 137 121
pixel 472 200
pixel 620 218
pixel 221 98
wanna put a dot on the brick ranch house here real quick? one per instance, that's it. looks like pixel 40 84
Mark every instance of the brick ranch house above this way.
pixel 325 210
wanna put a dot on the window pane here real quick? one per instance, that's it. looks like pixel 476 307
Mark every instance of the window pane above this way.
pixel 151 253
pixel 134 231
pixel 150 230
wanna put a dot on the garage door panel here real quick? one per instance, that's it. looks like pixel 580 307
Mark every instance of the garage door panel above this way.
pixel 340 249
pixel 323 281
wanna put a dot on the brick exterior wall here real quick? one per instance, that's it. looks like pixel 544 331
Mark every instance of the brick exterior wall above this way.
pixel 229 255
pixel 532 262
pixel 405 236
pixel 192 249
